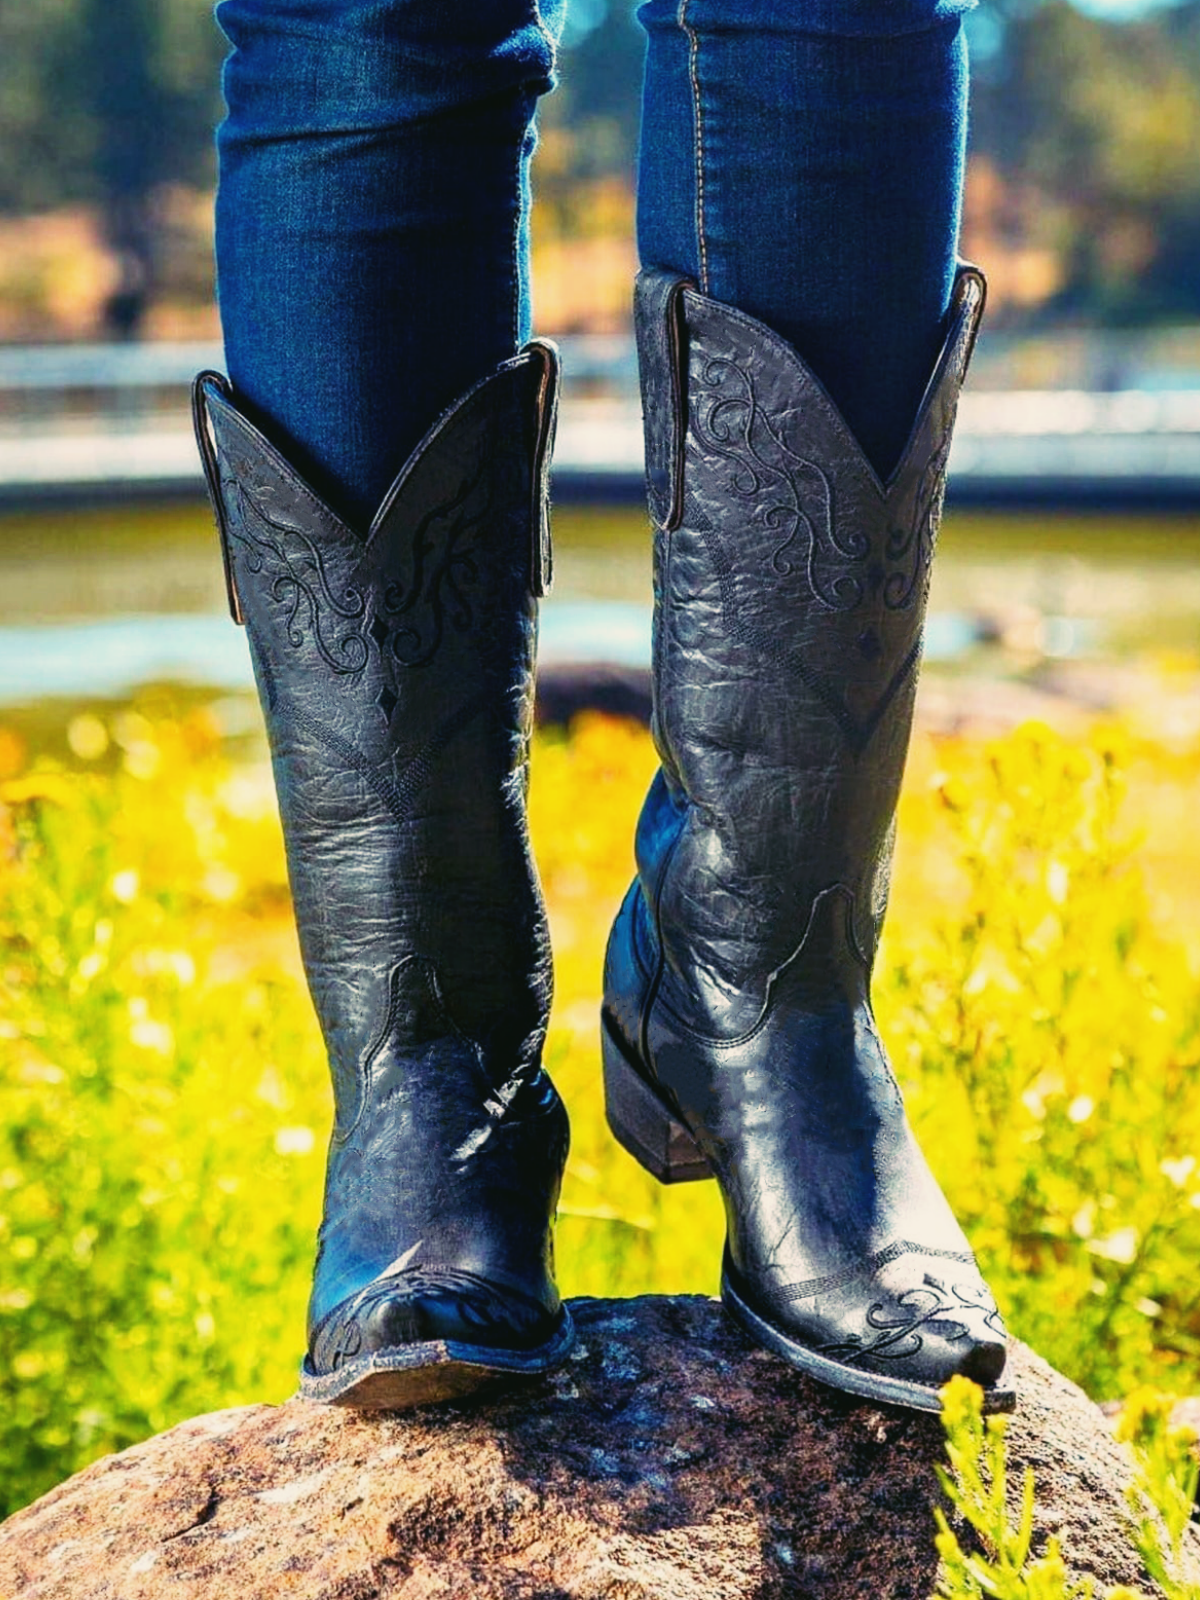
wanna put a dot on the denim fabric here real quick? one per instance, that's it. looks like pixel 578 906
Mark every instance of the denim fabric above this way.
pixel 372 217
pixel 802 160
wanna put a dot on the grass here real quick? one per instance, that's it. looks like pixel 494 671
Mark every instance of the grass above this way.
pixel 1001 1561
pixel 167 1107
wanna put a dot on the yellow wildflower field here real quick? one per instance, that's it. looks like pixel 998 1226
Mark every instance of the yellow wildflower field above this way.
pixel 166 1104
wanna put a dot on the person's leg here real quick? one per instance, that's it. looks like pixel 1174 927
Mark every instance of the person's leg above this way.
pixel 373 288
pixel 372 218
pixel 802 160
pixel 797 219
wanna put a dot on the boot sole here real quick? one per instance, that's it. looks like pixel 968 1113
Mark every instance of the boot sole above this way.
pixel 644 1125
pixel 439 1369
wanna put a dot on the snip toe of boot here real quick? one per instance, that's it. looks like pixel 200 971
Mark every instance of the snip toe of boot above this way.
pixel 415 1338
pixel 984 1362
pixel 452 1306
pixel 882 1340
pixel 418 1308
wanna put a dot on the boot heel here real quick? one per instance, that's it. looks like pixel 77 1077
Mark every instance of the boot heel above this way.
pixel 643 1124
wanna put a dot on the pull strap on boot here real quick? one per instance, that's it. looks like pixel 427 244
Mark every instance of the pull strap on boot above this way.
pixel 790 594
pixel 396 677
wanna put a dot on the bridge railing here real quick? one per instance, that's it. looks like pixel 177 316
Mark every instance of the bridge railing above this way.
pixel 85 423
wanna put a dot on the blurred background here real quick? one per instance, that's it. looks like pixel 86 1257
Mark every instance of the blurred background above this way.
pixel 1076 471
pixel 165 1102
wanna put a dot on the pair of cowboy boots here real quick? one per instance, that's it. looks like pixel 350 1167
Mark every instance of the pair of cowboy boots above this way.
pixel 396 675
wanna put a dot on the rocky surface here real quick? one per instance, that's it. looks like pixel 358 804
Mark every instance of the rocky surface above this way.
pixel 670 1461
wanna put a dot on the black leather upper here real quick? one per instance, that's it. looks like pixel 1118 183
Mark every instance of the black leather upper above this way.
pixel 395 672
pixel 790 597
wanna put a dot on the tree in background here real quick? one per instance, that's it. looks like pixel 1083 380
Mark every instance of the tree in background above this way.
pixel 1084 142
pixel 1087 128
pixel 105 105
pixel 584 255
pixel 1094 126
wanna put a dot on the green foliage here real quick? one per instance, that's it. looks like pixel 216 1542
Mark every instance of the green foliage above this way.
pixel 97 100
pixel 1162 1497
pixel 1096 122
pixel 166 1101
pixel 1047 1027
pixel 160 1151
pixel 1001 1565
pixel 976 1484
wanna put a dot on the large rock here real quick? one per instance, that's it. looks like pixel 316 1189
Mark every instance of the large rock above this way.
pixel 670 1459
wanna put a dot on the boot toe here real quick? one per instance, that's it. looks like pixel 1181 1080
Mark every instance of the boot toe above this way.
pixel 932 1329
pixel 474 1312
pixel 931 1356
pixel 984 1361
pixel 882 1337
pixel 400 1343
pixel 413 1308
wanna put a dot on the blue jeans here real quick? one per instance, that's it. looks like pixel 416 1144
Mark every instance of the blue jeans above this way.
pixel 801 159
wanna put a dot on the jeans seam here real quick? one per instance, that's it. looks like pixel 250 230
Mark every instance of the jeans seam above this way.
pixel 698 123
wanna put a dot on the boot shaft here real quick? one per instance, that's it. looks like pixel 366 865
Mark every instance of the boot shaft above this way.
pixel 737 1027
pixel 791 587
pixel 396 675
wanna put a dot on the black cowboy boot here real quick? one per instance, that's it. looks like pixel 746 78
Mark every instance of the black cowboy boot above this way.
pixel 790 589
pixel 396 676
